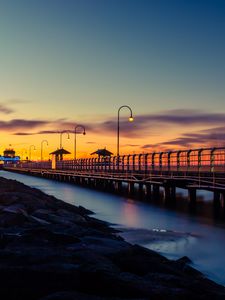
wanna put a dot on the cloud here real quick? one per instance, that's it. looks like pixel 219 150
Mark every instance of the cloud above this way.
pixel 145 125
pixel 212 137
pixel 5 106
pixel 147 146
pixel 187 117
pixel 16 124
pixel 150 124
pixel 5 109
pixel 30 125
pixel 47 132
pixel 23 133
pixel 131 145
pixel 17 101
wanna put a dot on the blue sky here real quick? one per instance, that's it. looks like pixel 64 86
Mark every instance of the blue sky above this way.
pixel 80 60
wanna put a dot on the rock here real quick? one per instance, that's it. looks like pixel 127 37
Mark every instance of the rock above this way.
pixel 53 250
pixel 141 261
pixel 53 218
pixel 14 208
pixel 59 217
pixel 183 265
pixel 11 219
pixel 70 295
pixel 41 212
pixel 33 284
pixel 184 260
pixel 42 235
pixel 4 240
pixel 105 246
pixel 100 225
pixel 84 211
pixel 38 220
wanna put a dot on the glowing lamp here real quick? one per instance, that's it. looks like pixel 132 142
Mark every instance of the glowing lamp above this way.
pixel 131 119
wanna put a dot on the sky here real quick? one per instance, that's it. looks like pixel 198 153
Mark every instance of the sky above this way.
pixel 70 62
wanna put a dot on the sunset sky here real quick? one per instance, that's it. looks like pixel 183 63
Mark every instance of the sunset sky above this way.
pixel 68 62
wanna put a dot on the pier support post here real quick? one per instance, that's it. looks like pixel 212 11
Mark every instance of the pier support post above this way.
pixel 173 193
pixel 192 197
pixel 90 183
pixel 216 197
pixel 96 183
pixel 108 185
pixel 223 203
pixel 169 194
pixel 216 203
pixel 119 187
pixel 130 188
pixel 148 191
pixel 155 192
pixel 103 184
pixel 140 191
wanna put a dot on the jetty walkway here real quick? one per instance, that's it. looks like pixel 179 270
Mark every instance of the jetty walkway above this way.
pixel 145 174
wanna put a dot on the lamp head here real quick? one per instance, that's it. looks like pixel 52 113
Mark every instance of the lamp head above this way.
pixel 131 119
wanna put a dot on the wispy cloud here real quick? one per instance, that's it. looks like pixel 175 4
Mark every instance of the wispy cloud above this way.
pixel 17 124
pixel 5 109
pixel 130 145
pixel 23 133
pixel 150 124
pixel 148 146
pixel 188 121
pixel 6 106
pixel 186 117
pixel 203 138
pixel 16 101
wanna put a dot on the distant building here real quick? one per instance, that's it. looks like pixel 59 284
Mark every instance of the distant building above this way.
pixel 9 153
pixel 9 156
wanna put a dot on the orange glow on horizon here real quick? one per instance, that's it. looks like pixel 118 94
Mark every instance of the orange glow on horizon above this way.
pixel 89 142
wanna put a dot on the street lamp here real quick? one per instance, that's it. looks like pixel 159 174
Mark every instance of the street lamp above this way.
pixel 61 133
pixel 22 151
pixel 75 138
pixel 118 125
pixel 30 151
pixel 44 141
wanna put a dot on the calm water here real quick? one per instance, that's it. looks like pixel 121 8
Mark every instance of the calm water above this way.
pixel 172 233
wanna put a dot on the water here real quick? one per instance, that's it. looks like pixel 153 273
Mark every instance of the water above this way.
pixel 172 233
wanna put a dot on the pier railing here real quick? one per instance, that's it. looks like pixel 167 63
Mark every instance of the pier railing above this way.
pixel 193 160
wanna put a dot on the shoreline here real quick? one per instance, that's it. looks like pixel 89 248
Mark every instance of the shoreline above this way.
pixel 50 249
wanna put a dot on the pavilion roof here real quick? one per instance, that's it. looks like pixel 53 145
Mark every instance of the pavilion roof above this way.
pixel 102 152
pixel 60 151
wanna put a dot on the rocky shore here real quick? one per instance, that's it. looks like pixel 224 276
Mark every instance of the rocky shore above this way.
pixel 51 250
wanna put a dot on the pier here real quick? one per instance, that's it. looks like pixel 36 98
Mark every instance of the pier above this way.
pixel 146 176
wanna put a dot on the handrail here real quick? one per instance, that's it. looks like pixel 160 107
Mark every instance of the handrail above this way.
pixel 201 160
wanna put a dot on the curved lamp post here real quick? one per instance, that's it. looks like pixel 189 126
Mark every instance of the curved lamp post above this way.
pixel 44 141
pixel 30 151
pixel 75 138
pixel 61 133
pixel 118 125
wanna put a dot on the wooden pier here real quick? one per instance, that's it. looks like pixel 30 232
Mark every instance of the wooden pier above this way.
pixel 145 176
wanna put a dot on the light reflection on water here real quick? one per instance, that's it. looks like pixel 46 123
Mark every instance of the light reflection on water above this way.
pixel 199 239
